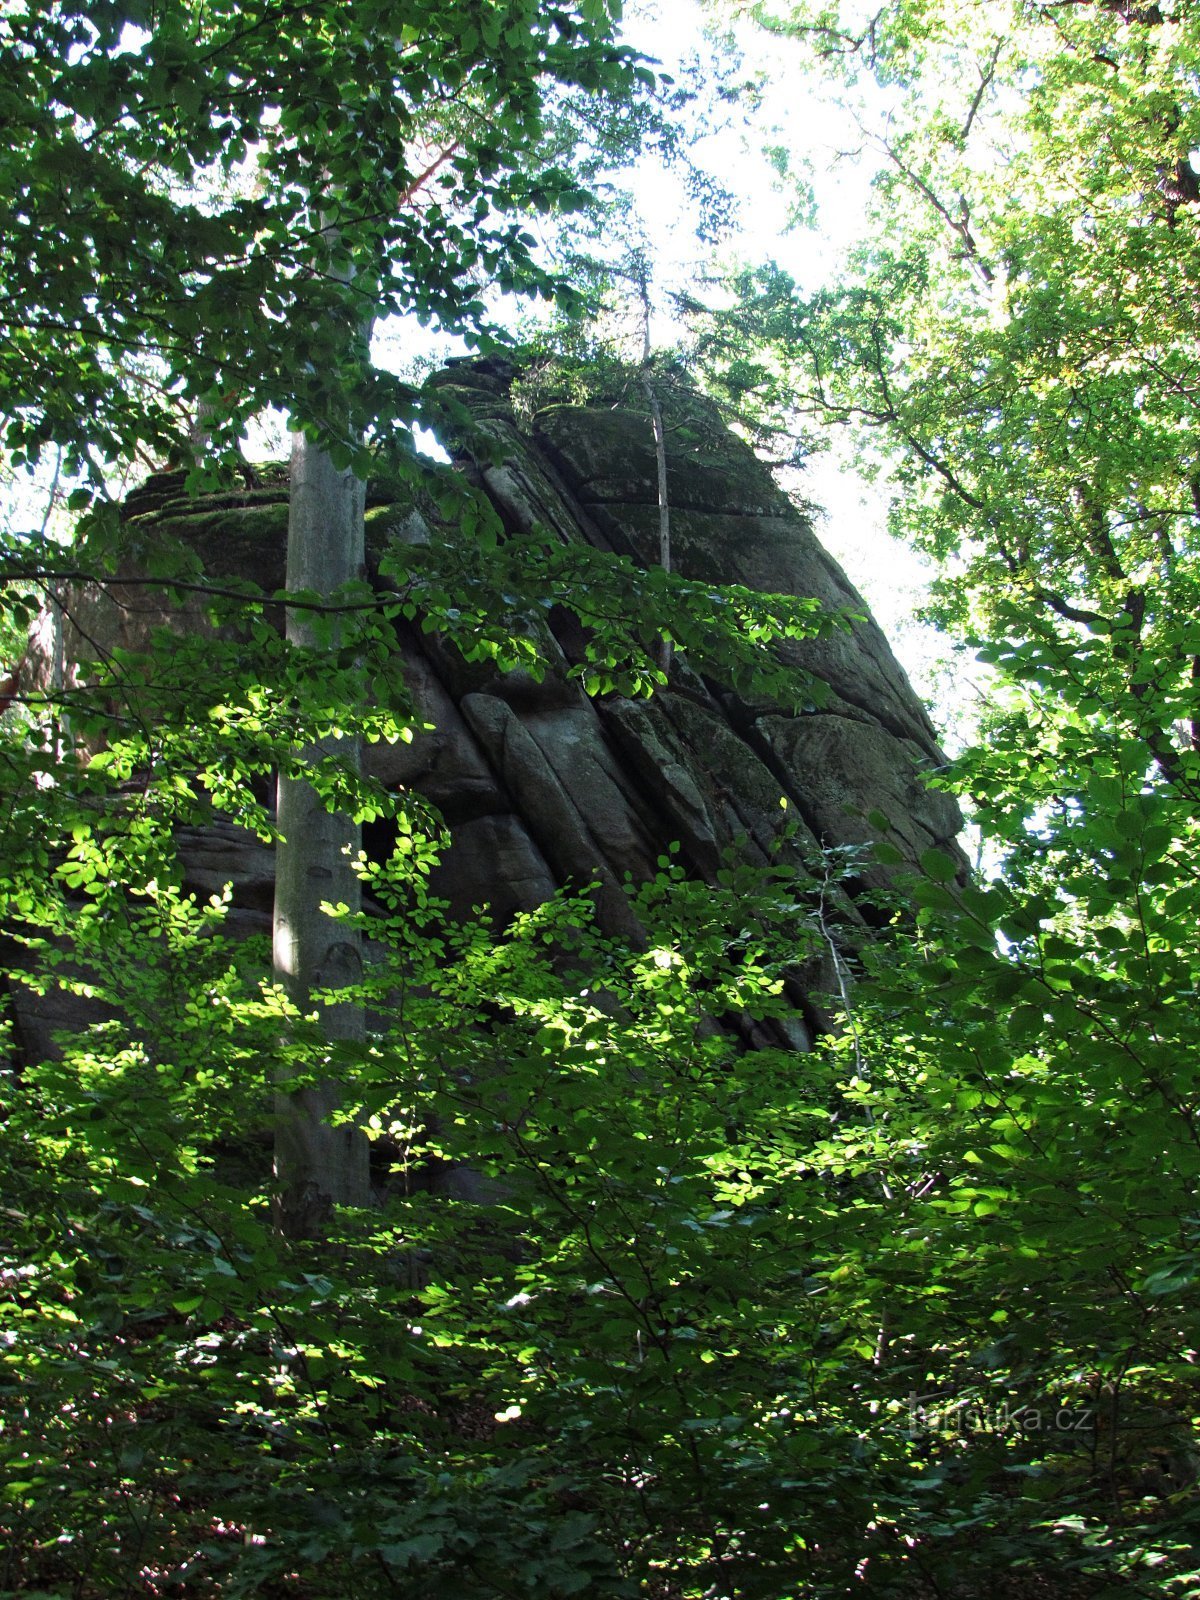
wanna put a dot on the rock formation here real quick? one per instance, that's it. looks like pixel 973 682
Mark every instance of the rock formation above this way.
pixel 539 784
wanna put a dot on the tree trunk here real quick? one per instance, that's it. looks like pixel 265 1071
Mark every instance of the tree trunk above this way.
pixel 660 448
pixel 318 1166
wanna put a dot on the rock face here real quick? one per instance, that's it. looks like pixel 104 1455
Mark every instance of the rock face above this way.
pixel 540 784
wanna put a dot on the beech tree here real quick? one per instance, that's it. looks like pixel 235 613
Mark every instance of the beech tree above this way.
pixel 234 295
pixel 279 1380
pixel 394 153
pixel 1013 350
pixel 316 860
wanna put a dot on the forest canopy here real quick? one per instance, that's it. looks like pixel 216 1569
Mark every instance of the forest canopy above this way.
pixel 911 1312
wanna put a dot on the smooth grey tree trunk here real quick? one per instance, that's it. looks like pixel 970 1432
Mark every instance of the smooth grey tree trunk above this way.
pixel 318 1166
pixel 660 451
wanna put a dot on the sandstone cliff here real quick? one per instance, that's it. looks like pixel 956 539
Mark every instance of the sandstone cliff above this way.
pixel 539 784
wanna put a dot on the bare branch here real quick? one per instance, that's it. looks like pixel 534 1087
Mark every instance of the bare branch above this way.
pixel 986 77
pixel 958 224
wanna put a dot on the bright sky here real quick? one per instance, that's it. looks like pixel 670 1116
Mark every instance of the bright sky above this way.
pixel 823 143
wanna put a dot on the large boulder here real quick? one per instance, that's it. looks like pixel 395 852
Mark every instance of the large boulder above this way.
pixel 539 784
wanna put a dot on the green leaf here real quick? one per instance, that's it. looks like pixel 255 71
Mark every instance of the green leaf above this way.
pixel 937 865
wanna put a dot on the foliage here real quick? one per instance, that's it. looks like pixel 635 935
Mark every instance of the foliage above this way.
pixel 1015 345
pixel 191 1402
pixel 200 1405
pixel 547 1378
pixel 294 174
pixel 639 1311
